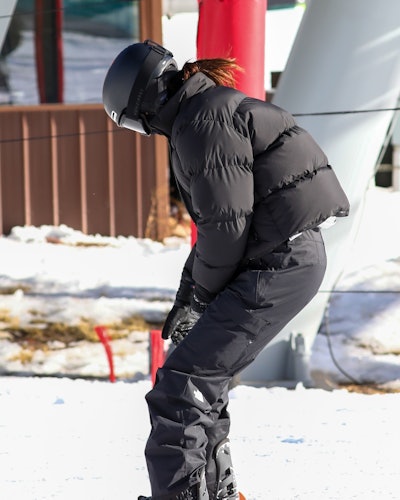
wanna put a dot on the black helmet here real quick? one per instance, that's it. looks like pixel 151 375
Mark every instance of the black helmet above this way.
pixel 133 89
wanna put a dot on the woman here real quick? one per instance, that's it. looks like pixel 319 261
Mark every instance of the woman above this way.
pixel 257 187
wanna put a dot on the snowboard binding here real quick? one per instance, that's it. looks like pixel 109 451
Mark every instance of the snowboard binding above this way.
pixel 195 492
pixel 227 488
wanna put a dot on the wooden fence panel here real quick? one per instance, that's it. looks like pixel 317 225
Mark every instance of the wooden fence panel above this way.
pixel 67 203
pixel 37 168
pixel 12 206
pixel 94 172
pixel 127 189
pixel 69 164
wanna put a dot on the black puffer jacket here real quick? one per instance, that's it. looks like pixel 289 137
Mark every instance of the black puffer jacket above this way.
pixel 249 176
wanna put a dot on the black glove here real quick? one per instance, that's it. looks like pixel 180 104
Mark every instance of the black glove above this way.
pixel 181 304
pixel 175 316
pixel 188 320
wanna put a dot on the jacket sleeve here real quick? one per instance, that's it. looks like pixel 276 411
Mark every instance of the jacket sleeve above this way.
pixel 186 285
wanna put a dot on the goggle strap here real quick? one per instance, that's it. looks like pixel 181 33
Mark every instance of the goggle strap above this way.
pixel 141 81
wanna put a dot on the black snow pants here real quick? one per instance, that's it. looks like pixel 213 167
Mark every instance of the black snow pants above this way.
pixel 188 404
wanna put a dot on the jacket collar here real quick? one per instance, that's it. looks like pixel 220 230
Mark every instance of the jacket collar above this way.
pixel 164 121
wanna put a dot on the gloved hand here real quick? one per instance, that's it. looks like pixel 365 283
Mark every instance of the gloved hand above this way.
pixel 181 305
pixel 175 316
pixel 188 320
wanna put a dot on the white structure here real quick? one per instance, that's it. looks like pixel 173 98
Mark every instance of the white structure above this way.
pixel 346 57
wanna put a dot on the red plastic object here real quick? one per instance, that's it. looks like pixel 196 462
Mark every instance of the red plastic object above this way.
pixel 193 236
pixel 235 28
pixel 157 353
pixel 104 339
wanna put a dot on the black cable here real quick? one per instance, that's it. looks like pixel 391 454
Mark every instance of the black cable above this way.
pixel 330 347
pixel 59 136
pixel 328 332
pixel 347 112
pixel 358 291
pixel 322 113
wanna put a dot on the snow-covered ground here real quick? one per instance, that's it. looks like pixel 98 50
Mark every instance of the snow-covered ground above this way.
pixel 63 438
pixel 72 286
pixel 57 284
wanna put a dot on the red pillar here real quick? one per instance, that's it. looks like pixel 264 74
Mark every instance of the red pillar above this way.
pixel 235 28
pixel 157 353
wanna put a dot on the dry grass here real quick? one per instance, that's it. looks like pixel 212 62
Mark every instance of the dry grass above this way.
pixel 58 241
pixel 368 388
pixel 38 333
pixel 11 289
pixel 24 356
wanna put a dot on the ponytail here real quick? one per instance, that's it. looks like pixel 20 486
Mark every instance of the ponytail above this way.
pixel 220 71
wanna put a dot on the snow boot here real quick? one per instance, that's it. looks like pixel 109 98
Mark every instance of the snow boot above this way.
pixel 196 492
pixel 226 481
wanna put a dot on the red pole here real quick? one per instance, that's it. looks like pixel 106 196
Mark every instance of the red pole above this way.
pixel 193 235
pixel 235 28
pixel 157 354
pixel 60 54
pixel 103 337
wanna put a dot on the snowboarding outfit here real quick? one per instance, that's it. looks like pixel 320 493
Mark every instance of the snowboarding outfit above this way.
pixel 257 187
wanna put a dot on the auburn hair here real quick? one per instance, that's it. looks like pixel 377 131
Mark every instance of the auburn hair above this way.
pixel 220 71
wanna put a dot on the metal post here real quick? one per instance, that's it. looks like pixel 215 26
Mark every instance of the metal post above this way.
pixel 396 167
pixel 49 50
pixel 396 156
